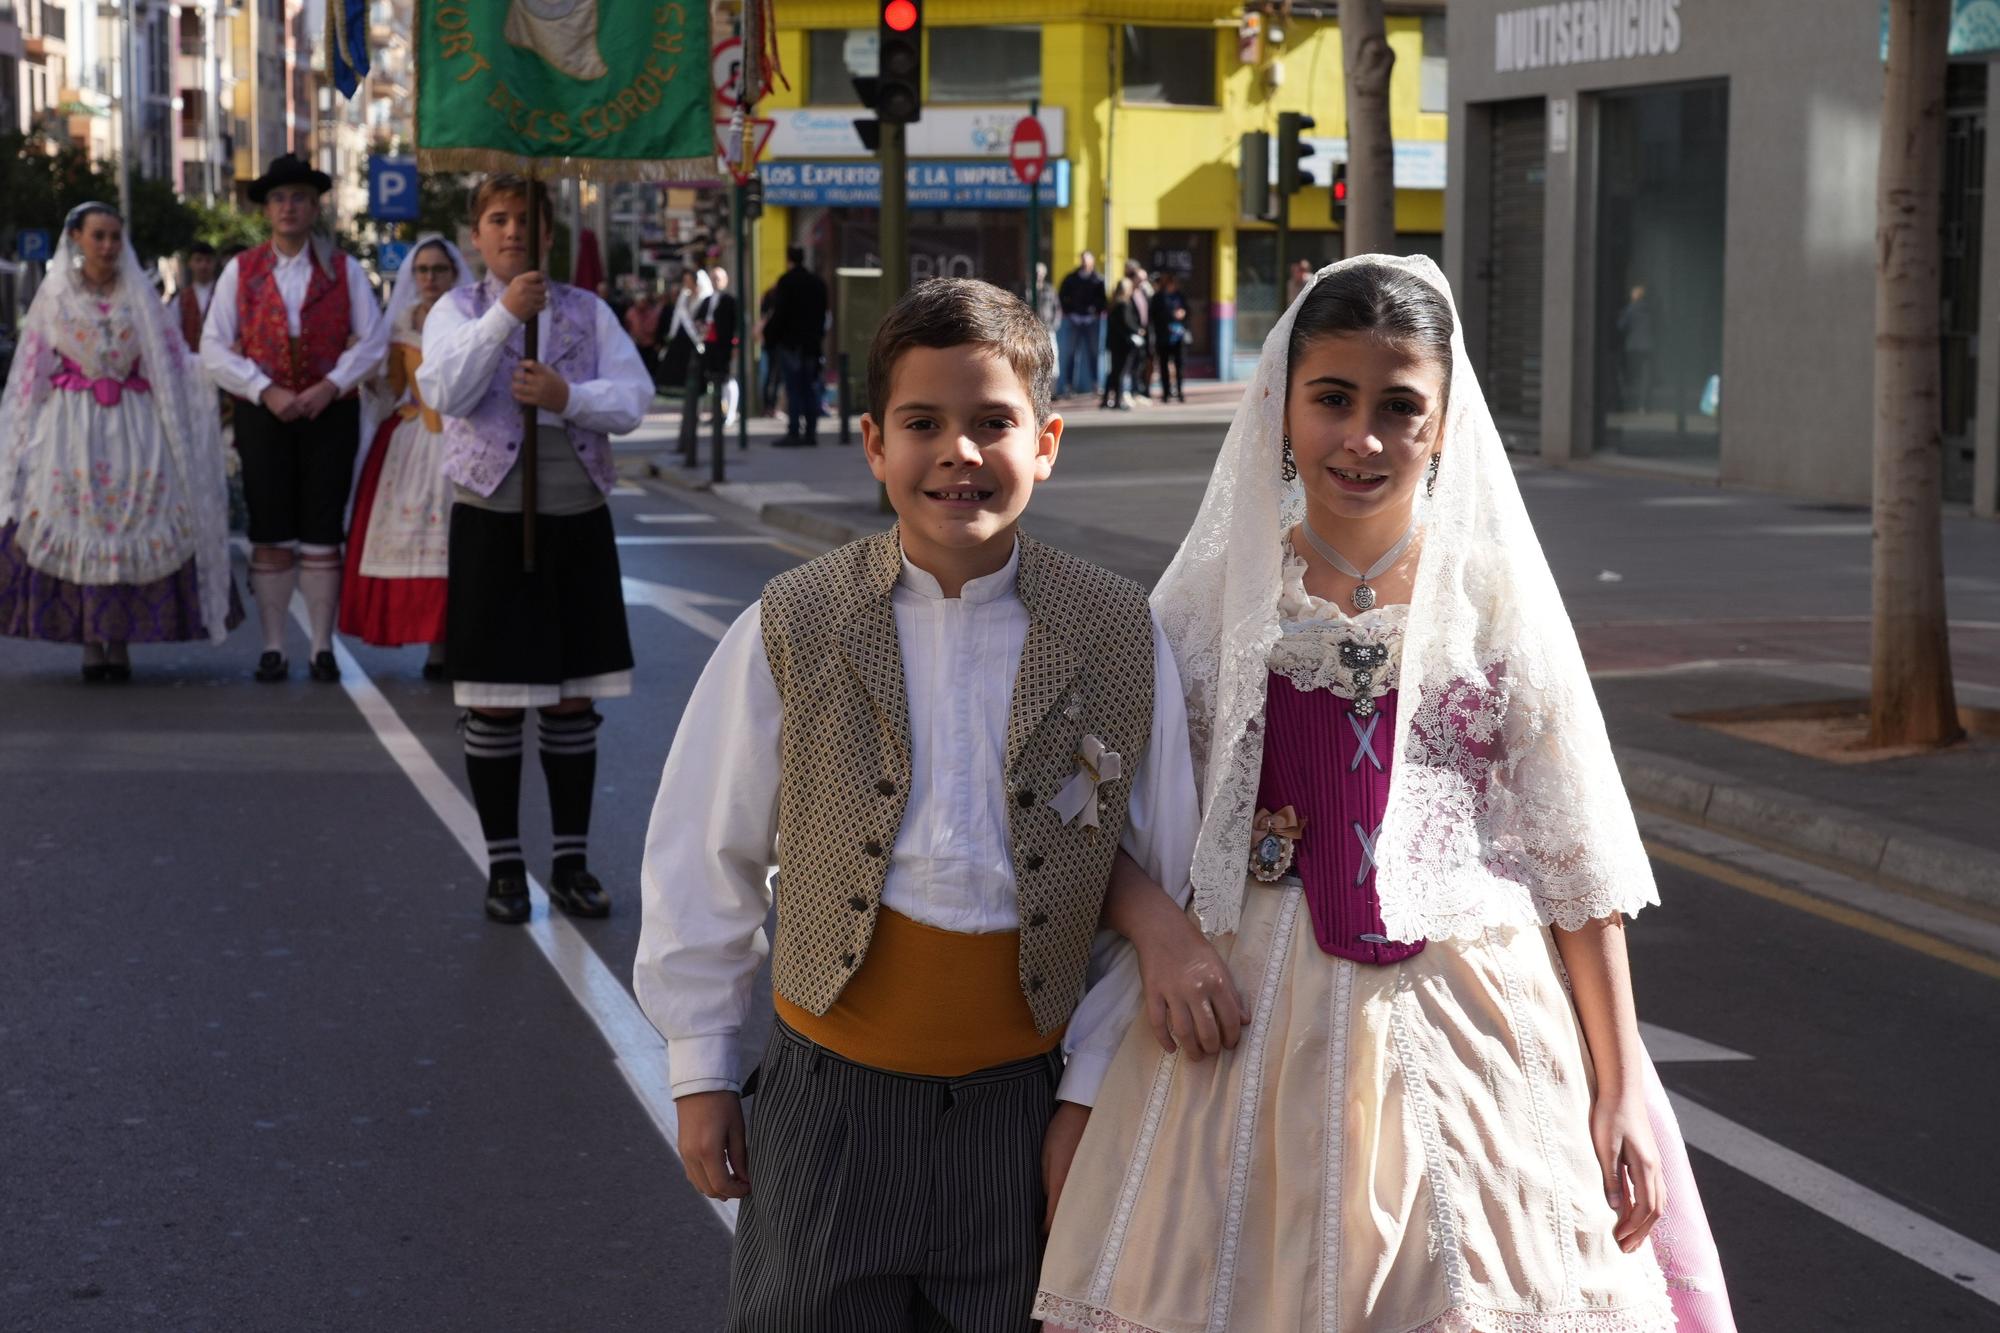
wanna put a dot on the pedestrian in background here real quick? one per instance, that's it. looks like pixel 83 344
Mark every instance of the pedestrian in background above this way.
pixel 113 526
pixel 687 352
pixel 196 291
pixel 1142 305
pixel 642 325
pixel 1124 335
pixel 798 314
pixel 770 362
pixel 719 343
pixel 293 331
pixel 553 638
pixel 1082 299
pixel 1170 337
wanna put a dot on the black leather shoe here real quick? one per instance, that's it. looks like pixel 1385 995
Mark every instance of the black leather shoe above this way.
pixel 433 671
pixel 96 672
pixel 507 899
pixel 578 893
pixel 324 668
pixel 272 666
pixel 118 672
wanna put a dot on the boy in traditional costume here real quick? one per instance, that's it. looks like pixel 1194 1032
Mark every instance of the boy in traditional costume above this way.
pixel 942 736
pixel 552 638
pixel 292 331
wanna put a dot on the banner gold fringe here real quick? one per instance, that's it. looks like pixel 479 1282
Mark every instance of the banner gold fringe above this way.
pixel 600 170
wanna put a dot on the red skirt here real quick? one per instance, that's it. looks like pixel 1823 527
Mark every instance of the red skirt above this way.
pixel 388 613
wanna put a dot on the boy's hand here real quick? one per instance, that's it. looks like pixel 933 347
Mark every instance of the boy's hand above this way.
pixel 278 402
pixel 715 1149
pixel 311 402
pixel 535 383
pixel 1065 1131
pixel 1191 999
pixel 526 295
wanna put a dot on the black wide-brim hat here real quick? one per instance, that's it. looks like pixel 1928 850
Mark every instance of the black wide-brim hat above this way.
pixel 289 169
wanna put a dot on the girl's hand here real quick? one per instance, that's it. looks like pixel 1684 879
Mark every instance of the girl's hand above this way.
pixel 1191 998
pixel 1629 1161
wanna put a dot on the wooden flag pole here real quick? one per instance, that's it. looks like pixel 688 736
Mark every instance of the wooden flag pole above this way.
pixel 531 350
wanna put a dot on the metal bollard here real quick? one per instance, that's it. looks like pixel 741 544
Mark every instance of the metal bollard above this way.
pixel 846 403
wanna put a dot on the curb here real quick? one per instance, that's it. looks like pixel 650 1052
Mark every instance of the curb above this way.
pixel 1857 844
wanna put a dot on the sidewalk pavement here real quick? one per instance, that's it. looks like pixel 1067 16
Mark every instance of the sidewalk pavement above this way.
pixel 1686 598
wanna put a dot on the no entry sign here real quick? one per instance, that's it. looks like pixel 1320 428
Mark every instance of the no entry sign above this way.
pixel 1029 150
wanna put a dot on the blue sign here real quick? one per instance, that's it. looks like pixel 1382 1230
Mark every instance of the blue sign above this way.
pixel 35 246
pixel 389 255
pixel 392 189
pixel 974 183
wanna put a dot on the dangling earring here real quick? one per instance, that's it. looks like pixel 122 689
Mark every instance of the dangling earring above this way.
pixel 1289 468
pixel 1431 476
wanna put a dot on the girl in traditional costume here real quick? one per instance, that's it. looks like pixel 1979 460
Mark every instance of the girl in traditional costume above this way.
pixel 398 543
pixel 113 504
pixel 1415 856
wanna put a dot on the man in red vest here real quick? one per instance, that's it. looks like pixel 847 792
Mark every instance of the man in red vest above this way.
pixel 197 290
pixel 292 331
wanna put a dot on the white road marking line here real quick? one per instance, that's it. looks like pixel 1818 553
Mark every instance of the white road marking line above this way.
pixel 680 603
pixel 1668 1047
pixel 626 488
pixel 638 1051
pixel 696 541
pixel 675 518
pixel 1963 1262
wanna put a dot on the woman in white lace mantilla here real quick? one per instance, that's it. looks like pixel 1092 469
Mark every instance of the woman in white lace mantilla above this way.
pixel 113 502
pixel 1415 858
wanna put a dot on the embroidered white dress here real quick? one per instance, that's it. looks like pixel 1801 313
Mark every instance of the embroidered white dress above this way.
pixel 1390 1148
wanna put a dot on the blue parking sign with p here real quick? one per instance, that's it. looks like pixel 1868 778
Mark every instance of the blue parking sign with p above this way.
pixel 392 189
pixel 35 245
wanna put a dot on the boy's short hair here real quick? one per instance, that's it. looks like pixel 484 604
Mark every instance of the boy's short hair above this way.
pixel 201 248
pixel 508 184
pixel 951 312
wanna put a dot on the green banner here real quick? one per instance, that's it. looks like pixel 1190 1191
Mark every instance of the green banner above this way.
pixel 597 88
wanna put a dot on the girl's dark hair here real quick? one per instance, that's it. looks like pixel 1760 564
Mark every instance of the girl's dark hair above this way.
pixel 1387 303
pixel 81 214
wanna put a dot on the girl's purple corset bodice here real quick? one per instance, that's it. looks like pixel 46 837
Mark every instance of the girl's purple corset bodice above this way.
pixel 1329 759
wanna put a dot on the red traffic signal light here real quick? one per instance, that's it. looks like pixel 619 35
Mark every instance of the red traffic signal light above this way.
pixel 1340 191
pixel 899 15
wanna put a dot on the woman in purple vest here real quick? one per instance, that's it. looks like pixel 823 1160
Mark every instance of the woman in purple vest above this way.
pixel 553 639
pixel 1416 856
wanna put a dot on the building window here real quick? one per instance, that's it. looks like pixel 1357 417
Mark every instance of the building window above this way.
pixel 985 64
pixel 1432 92
pixel 834 58
pixel 1174 66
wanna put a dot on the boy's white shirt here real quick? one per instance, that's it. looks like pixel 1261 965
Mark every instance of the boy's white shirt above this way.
pixel 461 353
pixel 705 885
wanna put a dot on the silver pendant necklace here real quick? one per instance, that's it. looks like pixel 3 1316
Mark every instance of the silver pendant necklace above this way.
pixel 1363 596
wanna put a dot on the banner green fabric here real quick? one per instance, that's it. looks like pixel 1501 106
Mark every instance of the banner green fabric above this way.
pixel 606 89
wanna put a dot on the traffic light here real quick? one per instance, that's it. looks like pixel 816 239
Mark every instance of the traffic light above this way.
pixel 1340 195
pixel 753 199
pixel 1292 155
pixel 900 71
pixel 1253 176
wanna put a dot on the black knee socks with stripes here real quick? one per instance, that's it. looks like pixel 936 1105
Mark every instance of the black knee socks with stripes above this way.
pixel 569 762
pixel 493 767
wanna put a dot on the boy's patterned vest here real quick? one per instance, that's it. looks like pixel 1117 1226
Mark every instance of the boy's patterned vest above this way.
pixel 1087 669
pixel 325 319
pixel 479 449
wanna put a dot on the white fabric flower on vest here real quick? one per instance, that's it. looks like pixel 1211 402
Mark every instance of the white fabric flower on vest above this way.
pixel 1094 765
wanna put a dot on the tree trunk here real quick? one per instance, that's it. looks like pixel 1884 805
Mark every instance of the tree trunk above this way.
pixel 1371 157
pixel 1911 701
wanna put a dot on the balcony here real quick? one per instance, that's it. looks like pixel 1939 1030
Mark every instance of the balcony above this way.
pixel 52 32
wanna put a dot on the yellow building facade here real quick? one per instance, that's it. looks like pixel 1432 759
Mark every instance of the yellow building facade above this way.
pixel 1146 102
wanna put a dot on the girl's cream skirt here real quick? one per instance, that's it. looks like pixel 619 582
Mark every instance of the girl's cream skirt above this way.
pixel 1389 1148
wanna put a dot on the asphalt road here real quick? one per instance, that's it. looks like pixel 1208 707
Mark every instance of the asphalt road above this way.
pixel 264 1065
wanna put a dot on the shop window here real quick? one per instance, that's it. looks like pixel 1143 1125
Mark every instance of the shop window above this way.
pixel 1432 92
pixel 835 57
pixel 997 64
pixel 1174 66
pixel 1662 165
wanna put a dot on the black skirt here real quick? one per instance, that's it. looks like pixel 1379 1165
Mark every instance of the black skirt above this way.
pixel 564 622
